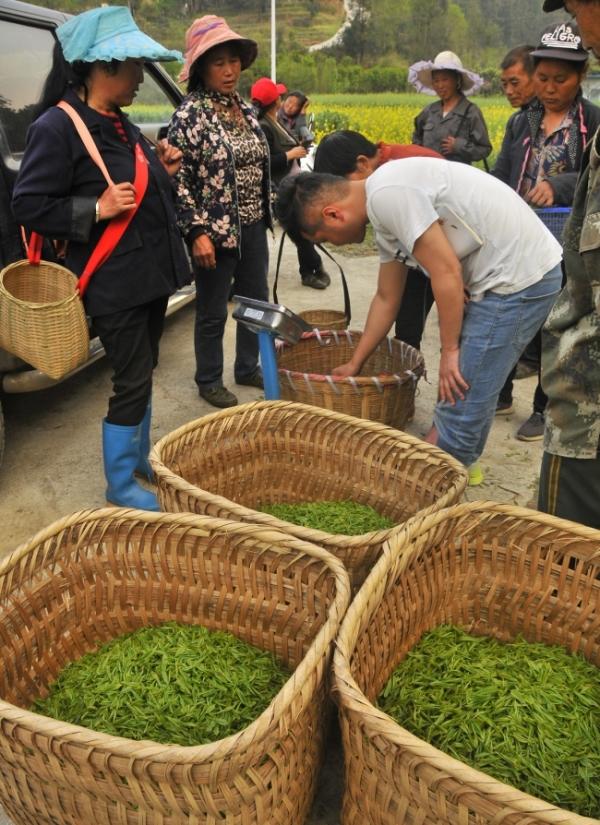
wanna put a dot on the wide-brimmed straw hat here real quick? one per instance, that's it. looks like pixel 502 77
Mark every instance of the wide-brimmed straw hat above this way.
pixel 108 33
pixel 209 31
pixel 561 41
pixel 420 74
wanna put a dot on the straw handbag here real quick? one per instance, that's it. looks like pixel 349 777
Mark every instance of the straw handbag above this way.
pixel 42 319
pixel 320 318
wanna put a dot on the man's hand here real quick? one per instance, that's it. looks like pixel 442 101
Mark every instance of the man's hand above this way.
pixel 451 383
pixel 448 144
pixel 169 156
pixel 203 252
pixel 542 194
pixel 345 370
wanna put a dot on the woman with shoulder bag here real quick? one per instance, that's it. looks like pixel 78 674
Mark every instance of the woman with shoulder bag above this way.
pixel 285 152
pixel 61 193
pixel 453 125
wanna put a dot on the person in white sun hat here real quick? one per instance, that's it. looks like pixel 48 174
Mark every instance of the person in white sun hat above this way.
pixel 453 125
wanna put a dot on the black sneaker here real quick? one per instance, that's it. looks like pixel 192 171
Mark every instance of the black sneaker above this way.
pixel 316 279
pixel 218 396
pixel 255 379
pixel 504 408
pixel 532 429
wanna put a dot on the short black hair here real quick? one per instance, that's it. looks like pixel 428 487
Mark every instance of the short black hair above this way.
pixel 299 192
pixel 338 151
pixel 520 54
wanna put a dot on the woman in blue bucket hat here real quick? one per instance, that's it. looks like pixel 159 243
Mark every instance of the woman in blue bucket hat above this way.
pixel 124 218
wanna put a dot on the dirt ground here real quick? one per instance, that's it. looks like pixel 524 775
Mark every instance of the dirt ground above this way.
pixel 53 466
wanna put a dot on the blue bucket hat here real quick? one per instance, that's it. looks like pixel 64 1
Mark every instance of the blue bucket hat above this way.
pixel 108 33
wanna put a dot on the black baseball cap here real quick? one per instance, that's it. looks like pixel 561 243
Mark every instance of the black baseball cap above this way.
pixel 561 41
pixel 553 5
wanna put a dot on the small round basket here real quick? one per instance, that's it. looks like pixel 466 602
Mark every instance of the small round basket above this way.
pixel 325 319
pixel 231 463
pixel 42 319
pixel 495 570
pixel 98 574
pixel 383 391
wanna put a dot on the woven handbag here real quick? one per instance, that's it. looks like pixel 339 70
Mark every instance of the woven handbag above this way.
pixel 42 319
pixel 320 318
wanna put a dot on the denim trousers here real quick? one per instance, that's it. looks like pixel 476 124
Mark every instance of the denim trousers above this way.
pixel 495 331
pixel 130 338
pixel 248 274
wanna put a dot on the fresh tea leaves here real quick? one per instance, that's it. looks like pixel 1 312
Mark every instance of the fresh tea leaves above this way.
pixel 527 714
pixel 174 684
pixel 342 517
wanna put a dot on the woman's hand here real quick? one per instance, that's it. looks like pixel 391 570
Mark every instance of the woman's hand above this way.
pixel 542 194
pixel 448 144
pixel 451 383
pixel 296 153
pixel 345 370
pixel 118 198
pixel 203 252
pixel 169 156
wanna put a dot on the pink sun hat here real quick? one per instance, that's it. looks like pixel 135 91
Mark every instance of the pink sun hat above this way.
pixel 209 31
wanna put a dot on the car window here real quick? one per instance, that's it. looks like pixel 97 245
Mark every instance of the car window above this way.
pixel 25 60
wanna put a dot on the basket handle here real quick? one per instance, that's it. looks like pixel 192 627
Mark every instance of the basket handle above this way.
pixel 86 138
pixel 33 247
pixel 347 307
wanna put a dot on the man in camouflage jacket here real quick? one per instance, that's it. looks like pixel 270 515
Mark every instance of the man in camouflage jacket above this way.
pixel 570 475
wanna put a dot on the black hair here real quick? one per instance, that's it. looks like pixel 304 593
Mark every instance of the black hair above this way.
pixel 337 152
pixel 261 109
pixel 63 75
pixel 195 82
pixel 520 54
pixel 296 194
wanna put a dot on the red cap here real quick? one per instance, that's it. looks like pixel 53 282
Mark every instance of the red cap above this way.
pixel 266 92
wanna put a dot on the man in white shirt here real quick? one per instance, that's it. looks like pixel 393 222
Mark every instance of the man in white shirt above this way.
pixel 510 271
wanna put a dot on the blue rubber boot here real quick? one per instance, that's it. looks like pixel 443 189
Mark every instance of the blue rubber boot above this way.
pixel 121 449
pixel 143 467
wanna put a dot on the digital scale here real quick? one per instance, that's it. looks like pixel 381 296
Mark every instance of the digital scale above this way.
pixel 269 321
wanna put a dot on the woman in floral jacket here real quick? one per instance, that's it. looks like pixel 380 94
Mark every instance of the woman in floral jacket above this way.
pixel 223 205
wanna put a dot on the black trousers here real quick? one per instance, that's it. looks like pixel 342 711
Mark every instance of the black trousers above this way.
pixel 130 338
pixel 309 259
pixel 414 309
pixel 570 488
pixel 540 399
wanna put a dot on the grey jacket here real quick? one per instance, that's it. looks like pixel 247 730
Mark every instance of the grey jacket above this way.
pixel 465 122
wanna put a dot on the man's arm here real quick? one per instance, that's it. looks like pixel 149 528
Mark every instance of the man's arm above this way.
pixel 433 251
pixel 382 313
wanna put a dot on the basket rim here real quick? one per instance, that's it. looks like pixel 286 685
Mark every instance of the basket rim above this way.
pixel 304 533
pixel 32 304
pixel 384 378
pixel 374 721
pixel 257 730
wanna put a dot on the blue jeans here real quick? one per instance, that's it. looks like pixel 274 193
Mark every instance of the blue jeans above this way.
pixel 495 332
pixel 249 276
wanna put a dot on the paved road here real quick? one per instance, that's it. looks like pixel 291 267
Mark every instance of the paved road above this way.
pixel 53 466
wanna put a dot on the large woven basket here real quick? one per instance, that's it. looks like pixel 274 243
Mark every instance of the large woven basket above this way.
pixel 495 570
pixel 230 463
pixel 42 319
pixel 326 319
pixel 99 574
pixel 383 391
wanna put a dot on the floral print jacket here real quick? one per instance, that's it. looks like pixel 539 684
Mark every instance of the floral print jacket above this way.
pixel 206 184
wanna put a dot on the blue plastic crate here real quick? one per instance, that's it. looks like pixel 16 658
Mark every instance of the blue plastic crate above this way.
pixel 554 218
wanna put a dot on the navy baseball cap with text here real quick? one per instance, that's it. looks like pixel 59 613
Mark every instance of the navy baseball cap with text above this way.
pixel 553 5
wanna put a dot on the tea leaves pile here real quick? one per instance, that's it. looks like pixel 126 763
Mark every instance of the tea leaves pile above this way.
pixel 347 518
pixel 526 714
pixel 174 684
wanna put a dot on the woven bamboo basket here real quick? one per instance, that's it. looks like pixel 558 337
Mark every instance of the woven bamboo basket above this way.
pixel 495 570
pixel 383 391
pixel 42 319
pixel 98 574
pixel 326 319
pixel 233 462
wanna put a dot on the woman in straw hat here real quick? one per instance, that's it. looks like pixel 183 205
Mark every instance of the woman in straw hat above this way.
pixel 453 125
pixel 223 198
pixel 62 194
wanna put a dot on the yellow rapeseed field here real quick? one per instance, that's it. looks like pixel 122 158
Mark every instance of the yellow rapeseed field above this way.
pixel 389 117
